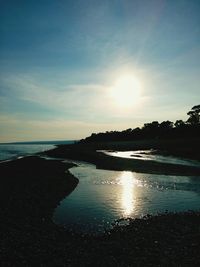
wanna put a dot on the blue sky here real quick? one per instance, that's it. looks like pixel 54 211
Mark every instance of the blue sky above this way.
pixel 60 59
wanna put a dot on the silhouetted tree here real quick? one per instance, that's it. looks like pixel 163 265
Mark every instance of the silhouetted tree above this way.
pixel 194 117
pixel 166 125
pixel 189 129
pixel 179 124
pixel 151 129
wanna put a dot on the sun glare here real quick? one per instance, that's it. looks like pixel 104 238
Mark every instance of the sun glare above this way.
pixel 127 181
pixel 126 91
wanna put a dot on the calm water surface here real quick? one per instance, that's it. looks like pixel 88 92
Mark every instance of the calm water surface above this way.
pixel 103 196
pixel 13 151
pixel 149 155
pixel 16 150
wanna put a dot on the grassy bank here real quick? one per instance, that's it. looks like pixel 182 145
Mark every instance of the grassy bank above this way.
pixel 87 152
pixel 31 188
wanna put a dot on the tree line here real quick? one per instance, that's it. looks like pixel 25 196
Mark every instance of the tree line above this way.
pixel 166 129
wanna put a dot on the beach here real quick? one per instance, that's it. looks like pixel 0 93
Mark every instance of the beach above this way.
pixel 32 187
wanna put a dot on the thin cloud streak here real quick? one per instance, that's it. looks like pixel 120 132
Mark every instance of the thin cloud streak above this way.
pixel 65 97
pixel 15 128
pixel 88 99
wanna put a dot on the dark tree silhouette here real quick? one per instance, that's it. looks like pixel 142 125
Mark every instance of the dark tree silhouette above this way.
pixel 179 124
pixel 166 125
pixel 151 126
pixel 194 115
pixel 165 129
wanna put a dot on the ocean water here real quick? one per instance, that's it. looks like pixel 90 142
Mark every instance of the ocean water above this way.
pixel 16 150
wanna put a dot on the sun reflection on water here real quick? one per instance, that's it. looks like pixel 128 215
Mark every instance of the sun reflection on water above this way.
pixel 128 181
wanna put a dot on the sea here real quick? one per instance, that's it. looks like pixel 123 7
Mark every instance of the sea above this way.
pixel 10 151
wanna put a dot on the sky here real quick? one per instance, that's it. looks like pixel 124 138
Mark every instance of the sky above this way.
pixel 71 68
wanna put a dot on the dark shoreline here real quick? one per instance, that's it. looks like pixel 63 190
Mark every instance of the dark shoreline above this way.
pixel 30 190
pixel 88 152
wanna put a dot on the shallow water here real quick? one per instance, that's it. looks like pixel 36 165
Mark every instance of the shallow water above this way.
pixel 13 151
pixel 103 196
pixel 148 155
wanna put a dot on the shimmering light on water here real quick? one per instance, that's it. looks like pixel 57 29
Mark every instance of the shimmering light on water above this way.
pixel 149 155
pixel 127 198
pixel 103 196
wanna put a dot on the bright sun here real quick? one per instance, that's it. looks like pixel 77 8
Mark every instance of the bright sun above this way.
pixel 126 91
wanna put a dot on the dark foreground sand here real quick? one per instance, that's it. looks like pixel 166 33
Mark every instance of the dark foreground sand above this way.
pixel 31 188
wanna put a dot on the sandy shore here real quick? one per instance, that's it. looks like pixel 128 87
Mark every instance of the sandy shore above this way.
pixel 31 188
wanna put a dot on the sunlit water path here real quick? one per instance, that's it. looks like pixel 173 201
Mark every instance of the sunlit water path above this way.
pixel 103 196
pixel 150 155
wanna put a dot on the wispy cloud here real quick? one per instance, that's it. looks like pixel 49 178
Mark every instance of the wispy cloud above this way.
pixel 16 128
pixel 81 101
pixel 63 97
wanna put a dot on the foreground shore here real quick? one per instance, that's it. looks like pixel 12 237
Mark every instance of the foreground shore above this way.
pixel 30 190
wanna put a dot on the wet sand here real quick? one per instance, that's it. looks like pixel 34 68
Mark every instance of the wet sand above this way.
pixel 31 188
